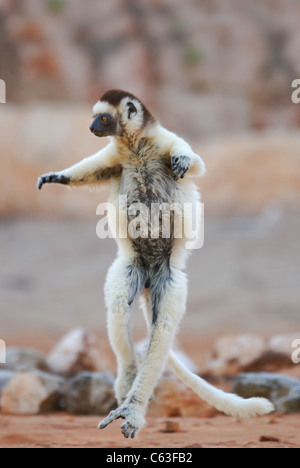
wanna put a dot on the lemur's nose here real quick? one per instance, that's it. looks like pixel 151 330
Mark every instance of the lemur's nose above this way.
pixel 92 128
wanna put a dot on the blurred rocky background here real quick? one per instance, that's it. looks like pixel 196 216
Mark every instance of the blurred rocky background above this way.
pixel 220 74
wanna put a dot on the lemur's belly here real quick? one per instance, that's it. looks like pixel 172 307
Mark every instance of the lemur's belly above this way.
pixel 152 194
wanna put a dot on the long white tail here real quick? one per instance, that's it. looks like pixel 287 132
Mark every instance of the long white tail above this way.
pixel 227 402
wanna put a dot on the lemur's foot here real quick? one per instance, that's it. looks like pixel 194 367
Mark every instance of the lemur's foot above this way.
pixel 180 166
pixel 52 179
pixel 134 419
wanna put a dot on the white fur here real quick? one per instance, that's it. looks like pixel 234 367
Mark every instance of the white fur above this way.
pixel 118 324
pixel 172 143
pixel 135 123
pixel 229 403
pixel 171 311
pixel 82 173
pixel 102 107
pixel 136 381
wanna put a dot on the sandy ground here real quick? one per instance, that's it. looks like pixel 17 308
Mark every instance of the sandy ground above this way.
pixel 60 430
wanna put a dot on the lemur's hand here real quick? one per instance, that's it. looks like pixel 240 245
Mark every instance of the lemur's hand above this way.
pixel 53 178
pixel 180 166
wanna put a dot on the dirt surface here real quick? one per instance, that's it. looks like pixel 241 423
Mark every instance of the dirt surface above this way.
pixel 61 430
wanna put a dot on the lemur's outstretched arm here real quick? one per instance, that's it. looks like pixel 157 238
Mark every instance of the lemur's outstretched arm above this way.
pixel 183 159
pixel 102 166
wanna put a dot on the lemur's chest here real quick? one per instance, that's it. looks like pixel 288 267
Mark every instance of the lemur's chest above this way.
pixel 147 177
pixel 147 180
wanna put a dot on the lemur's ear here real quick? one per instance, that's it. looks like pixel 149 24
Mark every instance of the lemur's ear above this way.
pixel 131 109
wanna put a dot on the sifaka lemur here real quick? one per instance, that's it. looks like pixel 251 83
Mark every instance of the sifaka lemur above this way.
pixel 150 165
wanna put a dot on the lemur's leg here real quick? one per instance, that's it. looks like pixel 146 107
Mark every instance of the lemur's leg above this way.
pixel 145 304
pixel 168 298
pixel 124 283
pixel 102 166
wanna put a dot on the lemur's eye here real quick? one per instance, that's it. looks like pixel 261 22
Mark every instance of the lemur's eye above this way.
pixel 104 119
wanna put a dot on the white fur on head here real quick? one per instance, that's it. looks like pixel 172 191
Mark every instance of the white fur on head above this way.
pixel 103 107
pixel 132 121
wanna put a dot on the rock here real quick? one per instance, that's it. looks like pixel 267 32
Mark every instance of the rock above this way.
pixel 282 346
pixel 250 353
pixel 77 351
pixel 233 354
pixel 24 359
pixel 32 393
pixel 268 438
pixel 91 393
pixel 277 356
pixel 281 390
pixel 173 398
pixel 5 376
pixel 2 352
pixel 171 426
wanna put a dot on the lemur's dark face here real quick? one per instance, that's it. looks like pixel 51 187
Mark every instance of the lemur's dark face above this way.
pixel 104 125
